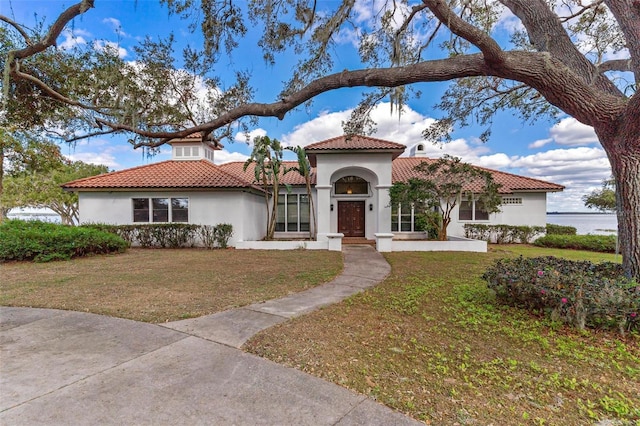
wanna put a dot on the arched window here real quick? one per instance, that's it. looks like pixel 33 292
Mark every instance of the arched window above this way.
pixel 351 185
pixel 420 147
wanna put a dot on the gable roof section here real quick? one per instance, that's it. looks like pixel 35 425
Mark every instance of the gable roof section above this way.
pixel 353 143
pixel 166 174
pixel 404 168
pixel 292 178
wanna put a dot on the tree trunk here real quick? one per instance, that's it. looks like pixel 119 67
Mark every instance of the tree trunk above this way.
pixel 626 170
pixel 621 141
pixel 312 207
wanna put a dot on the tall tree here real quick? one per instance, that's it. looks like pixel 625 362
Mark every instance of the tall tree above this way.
pixel 573 57
pixel 42 188
pixel 268 168
pixel 304 169
pixel 22 153
pixel 603 199
pixel 442 185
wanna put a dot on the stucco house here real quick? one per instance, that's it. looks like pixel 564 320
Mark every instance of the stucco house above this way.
pixel 351 179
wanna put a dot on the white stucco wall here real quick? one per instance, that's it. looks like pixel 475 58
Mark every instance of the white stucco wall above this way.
pixel 244 211
pixel 532 212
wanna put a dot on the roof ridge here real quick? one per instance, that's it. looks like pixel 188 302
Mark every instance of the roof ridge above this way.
pixel 115 172
pixel 519 176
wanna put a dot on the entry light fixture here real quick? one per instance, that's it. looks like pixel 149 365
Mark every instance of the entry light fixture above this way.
pixel 370 207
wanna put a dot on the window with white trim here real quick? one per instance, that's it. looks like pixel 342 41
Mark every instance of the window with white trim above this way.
pixel 403 218
pixel 293 212
pixel 472 210
pixel 160 210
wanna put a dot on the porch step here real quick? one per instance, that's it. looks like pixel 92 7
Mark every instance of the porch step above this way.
pixel 357 240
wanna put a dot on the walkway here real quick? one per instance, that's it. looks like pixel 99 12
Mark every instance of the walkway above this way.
pixel 61 367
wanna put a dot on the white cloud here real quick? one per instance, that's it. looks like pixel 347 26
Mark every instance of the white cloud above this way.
pixel 570 131
pixel 224 156
pixel 579 169
pixel 540 143
pixel 248 137
pixel 104 45
pixel 116 25
pixel 99 158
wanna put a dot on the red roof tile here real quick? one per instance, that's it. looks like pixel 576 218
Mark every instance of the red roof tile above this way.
pixel 404 168
pixel 166 174
pixel 292 178
pixel 354 143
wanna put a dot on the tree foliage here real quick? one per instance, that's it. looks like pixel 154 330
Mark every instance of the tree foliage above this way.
pixel 603 199
pixel 21 153
pixel 533 57
pixel 304 169
pixel 42 188
pixel 268 169
pixel 443 184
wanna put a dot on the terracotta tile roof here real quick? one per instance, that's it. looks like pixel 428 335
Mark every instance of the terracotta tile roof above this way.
pixel 292 178
pixel 354 143
pixel 403 169
pixel 166 174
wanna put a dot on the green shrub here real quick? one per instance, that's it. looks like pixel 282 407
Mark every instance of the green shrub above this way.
pixel 426 222
pixel 502 234
pixel 222 234
pixel 44 241
pixel 553 229
pixel 170 235
pixel 599 243
pixel 579 293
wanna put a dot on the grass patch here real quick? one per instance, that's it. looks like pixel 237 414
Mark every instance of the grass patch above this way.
pixel 165 285
pixel 430 341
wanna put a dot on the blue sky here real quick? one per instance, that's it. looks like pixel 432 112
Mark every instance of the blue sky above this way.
pixel 564 152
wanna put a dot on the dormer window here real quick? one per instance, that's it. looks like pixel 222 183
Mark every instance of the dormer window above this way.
pixel 193 148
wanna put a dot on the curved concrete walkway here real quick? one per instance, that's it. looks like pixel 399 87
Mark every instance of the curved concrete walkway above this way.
pixel 62 367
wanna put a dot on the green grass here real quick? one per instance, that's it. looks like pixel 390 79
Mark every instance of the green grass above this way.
pixel 154 285
pixel 432 342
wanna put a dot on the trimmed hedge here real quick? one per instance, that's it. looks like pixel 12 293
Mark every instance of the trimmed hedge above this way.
pixel 45 241
pixel 171 235
pixel 599 243
pixel 553 229
pixel 502 234
pixel 575 292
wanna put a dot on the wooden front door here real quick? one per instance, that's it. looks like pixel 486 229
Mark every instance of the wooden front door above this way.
pixel 351 218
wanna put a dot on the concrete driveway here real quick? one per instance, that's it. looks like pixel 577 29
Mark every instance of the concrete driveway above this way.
pixel 73 368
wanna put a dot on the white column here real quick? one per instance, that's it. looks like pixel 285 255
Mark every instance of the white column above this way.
pixel 323 207
pixel 383 209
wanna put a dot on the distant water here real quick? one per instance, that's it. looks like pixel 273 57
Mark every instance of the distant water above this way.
pixel 588 223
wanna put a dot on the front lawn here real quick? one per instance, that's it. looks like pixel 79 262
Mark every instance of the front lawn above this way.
pixel 431 341
pixel 165 285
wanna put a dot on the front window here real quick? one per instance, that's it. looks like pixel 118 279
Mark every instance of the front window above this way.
pixel 180 210
pixel 403 218
pixel 293 213
pixel 160 210
pixel 141 210
pixel 349 185
pixel 472 210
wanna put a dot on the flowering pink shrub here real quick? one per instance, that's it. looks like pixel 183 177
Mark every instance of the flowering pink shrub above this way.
pixel 579 293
